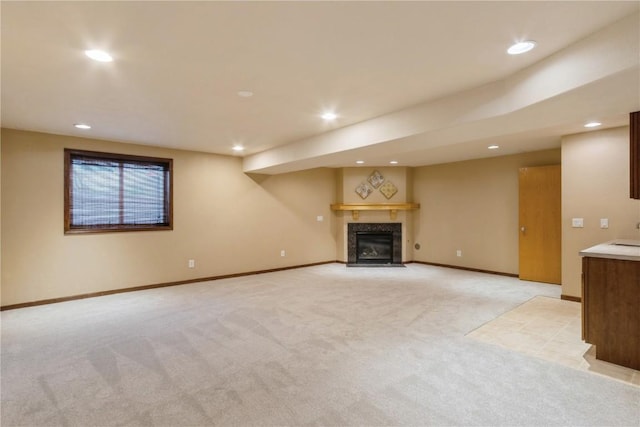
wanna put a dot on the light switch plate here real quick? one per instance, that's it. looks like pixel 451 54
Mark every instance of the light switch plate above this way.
pixel 577 222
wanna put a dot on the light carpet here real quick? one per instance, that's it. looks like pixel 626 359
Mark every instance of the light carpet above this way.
pixel 324 345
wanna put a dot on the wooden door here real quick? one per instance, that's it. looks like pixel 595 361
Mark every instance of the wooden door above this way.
pixel 634 153
pixel 540 224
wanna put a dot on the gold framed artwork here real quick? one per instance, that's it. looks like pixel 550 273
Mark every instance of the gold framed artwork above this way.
pixel 375 179
pixel 388 189
pixel 364 190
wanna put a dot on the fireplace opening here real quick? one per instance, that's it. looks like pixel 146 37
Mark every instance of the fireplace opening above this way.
pixel 374 244
pixel 374 248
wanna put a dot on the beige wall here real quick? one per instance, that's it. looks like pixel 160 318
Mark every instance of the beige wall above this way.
pixel 595 184
pixel 352 177
pixel 0 216
pixel 472 206
pixel 227 221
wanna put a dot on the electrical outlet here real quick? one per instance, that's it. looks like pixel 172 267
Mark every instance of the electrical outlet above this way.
pixel 604 222
pixel 192 263
pixel 577 222
pixel 458 252
pixel 282 253
pixel 319 218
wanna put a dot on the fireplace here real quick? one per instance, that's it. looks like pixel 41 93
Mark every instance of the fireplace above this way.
pixel 374 244
pixel 374 248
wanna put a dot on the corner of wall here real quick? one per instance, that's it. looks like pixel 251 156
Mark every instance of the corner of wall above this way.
pixel 595 185
pixel 339 177
pixel 1 132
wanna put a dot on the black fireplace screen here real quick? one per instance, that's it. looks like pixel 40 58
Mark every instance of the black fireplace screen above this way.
pixel 374 248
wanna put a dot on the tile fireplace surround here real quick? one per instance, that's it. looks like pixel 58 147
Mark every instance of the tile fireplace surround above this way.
pixel 354 228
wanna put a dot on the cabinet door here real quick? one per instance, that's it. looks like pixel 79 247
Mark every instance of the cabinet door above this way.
pixel 612 309
pixel 634 153
pixel 585 298
pixel 594 298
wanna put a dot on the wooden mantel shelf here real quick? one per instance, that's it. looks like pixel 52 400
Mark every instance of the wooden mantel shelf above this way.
pixel 393 208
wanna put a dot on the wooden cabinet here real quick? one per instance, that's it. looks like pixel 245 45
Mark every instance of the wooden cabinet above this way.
pixel 611 309
pixel 634 154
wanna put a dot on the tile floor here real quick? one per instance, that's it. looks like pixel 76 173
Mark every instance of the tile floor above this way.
pixel 550 328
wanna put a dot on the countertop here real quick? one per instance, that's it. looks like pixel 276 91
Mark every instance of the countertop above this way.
pixel 615 249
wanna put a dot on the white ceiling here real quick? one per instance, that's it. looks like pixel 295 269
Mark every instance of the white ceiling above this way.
pixel 179 65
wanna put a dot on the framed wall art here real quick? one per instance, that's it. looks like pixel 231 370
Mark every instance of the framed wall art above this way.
pixel 364 190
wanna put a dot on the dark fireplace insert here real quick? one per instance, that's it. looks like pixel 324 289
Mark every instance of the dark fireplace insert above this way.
pixel 374 244
pixel 374 247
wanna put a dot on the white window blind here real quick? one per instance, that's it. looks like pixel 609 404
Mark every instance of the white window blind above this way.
pixel 116 192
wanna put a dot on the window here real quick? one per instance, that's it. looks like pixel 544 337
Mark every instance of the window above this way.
pixel 114 192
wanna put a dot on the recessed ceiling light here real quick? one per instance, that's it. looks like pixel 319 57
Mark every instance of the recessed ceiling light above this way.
pixel 360 162
pixel 82 126
pixel 245 93
pixel 521 47
pixel 592 124
pixel 493 147
pixel 329 116
pixel 98 55
pixel 238 148
pixel 394 162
